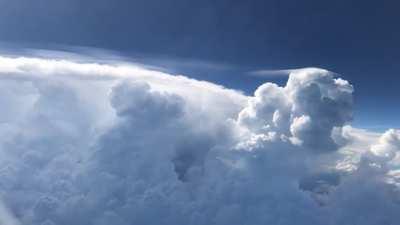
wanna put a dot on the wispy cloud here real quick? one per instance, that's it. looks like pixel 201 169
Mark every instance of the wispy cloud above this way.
pixel 279 73
pixel 270 73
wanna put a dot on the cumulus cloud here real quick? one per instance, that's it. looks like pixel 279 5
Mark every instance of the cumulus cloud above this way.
pixel 305 111
pixel 89 143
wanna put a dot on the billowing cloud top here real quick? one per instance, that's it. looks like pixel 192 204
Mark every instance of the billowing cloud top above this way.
pixel 87 143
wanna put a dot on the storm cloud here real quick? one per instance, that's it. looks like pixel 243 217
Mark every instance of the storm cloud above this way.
pixel 101 144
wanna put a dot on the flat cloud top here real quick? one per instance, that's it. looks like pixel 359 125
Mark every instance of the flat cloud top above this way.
pixel 91 143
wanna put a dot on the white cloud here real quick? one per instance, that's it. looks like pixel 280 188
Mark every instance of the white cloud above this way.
pixel 306 110
pixel 88 143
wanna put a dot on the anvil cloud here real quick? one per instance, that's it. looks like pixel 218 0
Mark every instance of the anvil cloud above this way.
pixel 101 144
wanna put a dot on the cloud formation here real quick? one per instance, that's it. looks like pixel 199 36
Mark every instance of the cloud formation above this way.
pixel 88 143
pixel 305 111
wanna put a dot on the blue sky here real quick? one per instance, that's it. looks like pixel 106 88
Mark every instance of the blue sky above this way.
pixel 221 40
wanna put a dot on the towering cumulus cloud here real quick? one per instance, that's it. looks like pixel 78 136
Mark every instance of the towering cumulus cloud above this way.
pixel 98 144
pixel 306 110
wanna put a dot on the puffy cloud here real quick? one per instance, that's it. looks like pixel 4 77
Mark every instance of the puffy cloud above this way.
pixel 305 111
pixel 388 144
pixel 87 143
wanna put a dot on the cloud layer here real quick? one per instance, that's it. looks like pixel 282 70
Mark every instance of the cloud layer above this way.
pixel 87 143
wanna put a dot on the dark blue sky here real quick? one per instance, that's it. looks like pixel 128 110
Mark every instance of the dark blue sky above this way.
pixel 222 40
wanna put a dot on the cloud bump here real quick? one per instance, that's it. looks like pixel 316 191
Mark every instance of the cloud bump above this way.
pixel 88 143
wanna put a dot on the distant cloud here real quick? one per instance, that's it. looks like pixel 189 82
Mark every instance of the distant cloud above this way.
pixel 94 143
pixel 270 73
